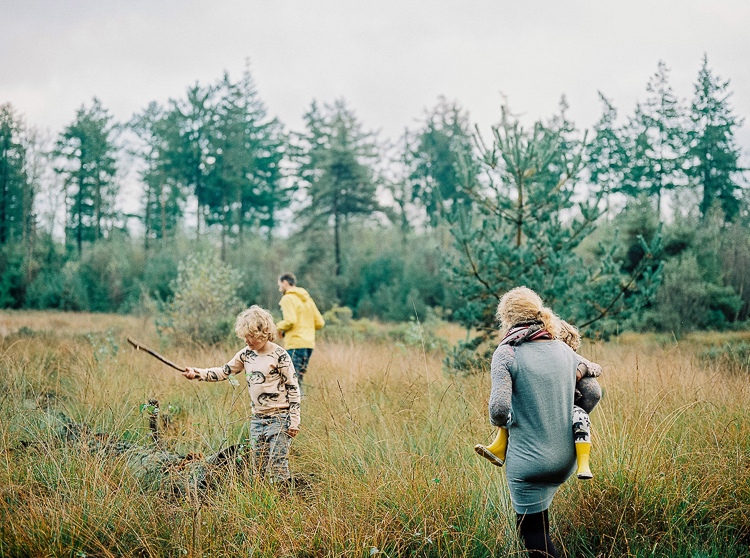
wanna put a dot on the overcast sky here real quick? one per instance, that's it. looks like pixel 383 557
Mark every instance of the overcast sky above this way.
pixel 389 59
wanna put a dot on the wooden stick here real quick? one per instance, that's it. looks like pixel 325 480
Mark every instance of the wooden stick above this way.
pixel 141 347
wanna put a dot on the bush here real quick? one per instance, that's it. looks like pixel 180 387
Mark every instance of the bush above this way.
pixel 11 277
pixel 205 302
pixel 417 334
pixel 341 327
pixel 686 301
pixel 734 357
pixel 46 291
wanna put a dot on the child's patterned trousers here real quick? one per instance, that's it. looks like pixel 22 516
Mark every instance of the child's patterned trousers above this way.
pixel 581 426
pixel 270 443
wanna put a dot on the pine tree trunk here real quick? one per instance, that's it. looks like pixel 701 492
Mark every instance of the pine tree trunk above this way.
pixel 66 227
pixel 98 208
pixel 30 250
pixel 240 217
pixel 147 219
pixel 27 238
pixel 27 217
pixel 4 187
pixel 163 203
pixel 224 226
pixel 707 193
pixel 271 218
pixel 519 215
pixel 198 196
pixel 336 240
pixel 658 204
pixel 79 201
pixel 404 224
pixel 198 222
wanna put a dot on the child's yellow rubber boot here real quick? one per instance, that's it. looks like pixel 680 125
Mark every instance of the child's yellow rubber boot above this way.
pixel 582 455
pixel 495 452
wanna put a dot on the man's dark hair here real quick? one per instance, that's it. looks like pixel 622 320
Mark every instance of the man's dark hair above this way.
pixel 289 278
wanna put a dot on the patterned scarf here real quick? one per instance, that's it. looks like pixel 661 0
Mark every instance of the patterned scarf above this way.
pixel 523 332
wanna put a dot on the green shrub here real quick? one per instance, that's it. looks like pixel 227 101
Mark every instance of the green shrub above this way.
pixel 733 357
pixel 417 334
pixel 205 302
pixel 341 327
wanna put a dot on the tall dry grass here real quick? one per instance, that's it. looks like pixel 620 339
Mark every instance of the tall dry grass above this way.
pixel 386 447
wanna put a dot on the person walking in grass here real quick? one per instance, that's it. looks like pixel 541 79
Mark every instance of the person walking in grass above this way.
pixel 536 378
pixel 587 395
pixel 301 319
pixel 273 388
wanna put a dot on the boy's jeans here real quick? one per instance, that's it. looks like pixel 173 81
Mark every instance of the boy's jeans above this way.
pixel 270 444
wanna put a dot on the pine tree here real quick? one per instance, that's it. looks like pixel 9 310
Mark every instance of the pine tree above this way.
pixel 442 161
pixel 193 116
pixel 714 154
pixel 400 185
pixel 163 198
pixel 227 161
pixel 247 149
pixel 86 154
pixel 606 154
pixel 14 195
pixel 658 145
pixel 274 189
pixel 334 157
pixel 526 229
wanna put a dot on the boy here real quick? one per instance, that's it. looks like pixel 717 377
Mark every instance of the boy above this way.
pixel 587 395
pixel 273 388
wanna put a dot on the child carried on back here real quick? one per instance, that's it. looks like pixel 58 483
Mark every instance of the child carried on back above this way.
pixel 588 393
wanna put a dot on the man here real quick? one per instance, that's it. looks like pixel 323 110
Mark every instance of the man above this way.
pixel 301 318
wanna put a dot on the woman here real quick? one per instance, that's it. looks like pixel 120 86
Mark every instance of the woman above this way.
pixel 534 375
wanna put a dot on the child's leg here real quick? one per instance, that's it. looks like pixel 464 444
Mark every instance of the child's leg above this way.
pixel 582 439
pixel 278 448
pixel 259 444
pixel 495 452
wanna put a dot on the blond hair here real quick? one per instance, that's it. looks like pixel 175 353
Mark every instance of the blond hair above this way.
pixel 256 323
pixel 569 335
pixel 521 305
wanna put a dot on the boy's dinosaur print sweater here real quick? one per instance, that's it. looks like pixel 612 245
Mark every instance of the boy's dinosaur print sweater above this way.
pixel 270 377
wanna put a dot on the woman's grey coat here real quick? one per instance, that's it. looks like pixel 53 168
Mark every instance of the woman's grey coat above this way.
pixel 537 380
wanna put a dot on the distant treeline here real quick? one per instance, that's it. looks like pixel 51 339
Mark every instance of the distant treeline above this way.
pixel 640 223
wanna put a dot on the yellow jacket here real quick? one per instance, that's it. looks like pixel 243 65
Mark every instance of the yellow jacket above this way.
pixel 301 319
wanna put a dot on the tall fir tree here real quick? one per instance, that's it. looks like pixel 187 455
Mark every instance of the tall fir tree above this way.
pixel 247 148
pixel 194 116
pixel 606 154
pixel 715 169
pixel 399 182
pixel 335 164
pixel 86 154
pixel 657 142
pixel 163 197
pixel 14 187
pixel 442 161
pixel 227 160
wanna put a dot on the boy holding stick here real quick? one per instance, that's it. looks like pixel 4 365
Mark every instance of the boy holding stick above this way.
pixel 273 388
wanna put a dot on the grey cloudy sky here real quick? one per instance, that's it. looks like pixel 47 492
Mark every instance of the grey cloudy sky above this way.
pixel 389 59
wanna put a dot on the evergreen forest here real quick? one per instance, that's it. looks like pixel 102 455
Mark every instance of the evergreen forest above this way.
pixel 639 223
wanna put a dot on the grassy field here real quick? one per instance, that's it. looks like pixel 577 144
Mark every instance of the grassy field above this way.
pixel 385 449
